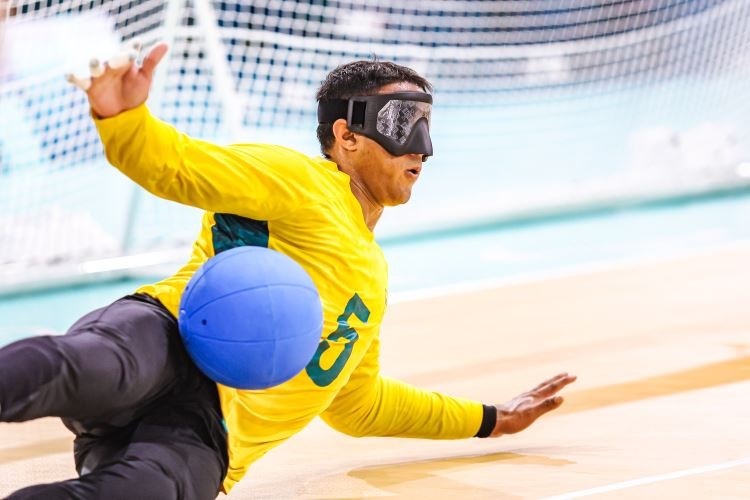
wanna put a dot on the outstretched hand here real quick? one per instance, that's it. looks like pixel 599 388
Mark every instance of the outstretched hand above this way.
pixel 521 411
pixel 120 84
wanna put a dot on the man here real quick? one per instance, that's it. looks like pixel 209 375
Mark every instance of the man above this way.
pixel 148 424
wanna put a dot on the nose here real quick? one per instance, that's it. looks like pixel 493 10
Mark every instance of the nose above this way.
pixel 419 138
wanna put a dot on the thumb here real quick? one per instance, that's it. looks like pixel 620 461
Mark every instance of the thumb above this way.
pixel 153 59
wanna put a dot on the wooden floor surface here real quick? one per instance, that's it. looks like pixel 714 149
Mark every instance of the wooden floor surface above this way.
pixel 660 410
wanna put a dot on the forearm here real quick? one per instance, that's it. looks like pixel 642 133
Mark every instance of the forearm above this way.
pixel 243 180
pixel 394 408
pixel 143 148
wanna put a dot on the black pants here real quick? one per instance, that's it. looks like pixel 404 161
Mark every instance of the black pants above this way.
pixel 147 421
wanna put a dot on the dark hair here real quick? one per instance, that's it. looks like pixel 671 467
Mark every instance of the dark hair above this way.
pixel 361 78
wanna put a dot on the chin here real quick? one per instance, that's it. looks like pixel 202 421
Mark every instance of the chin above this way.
pixel 398 201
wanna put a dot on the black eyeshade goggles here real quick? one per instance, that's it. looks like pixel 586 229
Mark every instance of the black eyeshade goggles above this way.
pixel 400 121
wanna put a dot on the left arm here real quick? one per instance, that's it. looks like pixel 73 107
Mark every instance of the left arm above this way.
pixel 373 405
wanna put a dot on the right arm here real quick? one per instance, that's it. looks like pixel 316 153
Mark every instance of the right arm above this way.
pixel 248 180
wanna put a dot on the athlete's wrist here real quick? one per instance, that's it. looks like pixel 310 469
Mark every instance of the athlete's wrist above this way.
pixel 489 419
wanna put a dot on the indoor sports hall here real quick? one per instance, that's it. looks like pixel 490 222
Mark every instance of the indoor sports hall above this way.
pixel 587 209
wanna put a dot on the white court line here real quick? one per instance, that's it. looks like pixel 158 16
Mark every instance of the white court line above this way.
pixel 651 479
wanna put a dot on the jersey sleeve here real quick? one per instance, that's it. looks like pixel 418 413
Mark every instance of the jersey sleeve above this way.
pixel 258 181
pixel 373 405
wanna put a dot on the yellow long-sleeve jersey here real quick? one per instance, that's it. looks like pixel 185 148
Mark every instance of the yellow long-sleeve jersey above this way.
pixel 303 207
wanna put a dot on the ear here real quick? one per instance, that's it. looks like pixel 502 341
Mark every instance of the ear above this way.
pixel 344 137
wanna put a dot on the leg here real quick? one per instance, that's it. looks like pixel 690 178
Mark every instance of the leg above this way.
pixel 109 365
pixel 176 451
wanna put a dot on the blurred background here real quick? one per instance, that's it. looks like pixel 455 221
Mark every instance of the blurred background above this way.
pixel 567 133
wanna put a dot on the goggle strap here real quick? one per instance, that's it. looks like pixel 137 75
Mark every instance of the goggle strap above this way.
pixel 331 110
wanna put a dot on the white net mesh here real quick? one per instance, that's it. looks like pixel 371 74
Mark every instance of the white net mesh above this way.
pixel 540 105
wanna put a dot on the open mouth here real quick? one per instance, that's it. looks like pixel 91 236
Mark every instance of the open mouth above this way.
pixel 414 171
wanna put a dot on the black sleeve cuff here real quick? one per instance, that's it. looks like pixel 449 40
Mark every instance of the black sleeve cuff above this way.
pixel 489 418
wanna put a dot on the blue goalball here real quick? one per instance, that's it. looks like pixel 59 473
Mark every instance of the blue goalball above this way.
pixel 251 318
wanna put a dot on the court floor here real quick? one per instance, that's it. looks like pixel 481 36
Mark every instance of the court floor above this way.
pixel 660 410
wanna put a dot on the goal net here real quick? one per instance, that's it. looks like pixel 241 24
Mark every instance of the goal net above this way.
pixel 541 106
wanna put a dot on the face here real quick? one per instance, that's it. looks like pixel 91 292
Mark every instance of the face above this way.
pixel 387 178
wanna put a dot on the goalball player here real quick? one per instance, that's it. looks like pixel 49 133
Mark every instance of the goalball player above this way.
pixel 147 423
